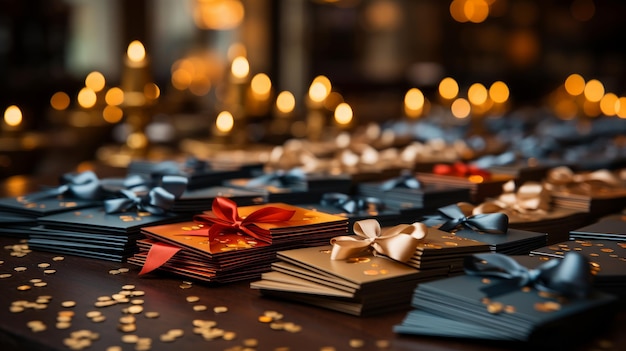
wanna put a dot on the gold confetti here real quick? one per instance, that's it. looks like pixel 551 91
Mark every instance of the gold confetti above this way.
pixel 130 338
pixel 383 344
pixel 19 269
pixel 192 299
pixel 152 314
pixel 128 287
pixel 135 309
pixel 43 265
pixel 5 275
pixel 495 307
pixel 199 308
pixel 50 271
pixel 58 258
pixel 220 309
pixel 68 303
pixel 265 319
pixel 23 287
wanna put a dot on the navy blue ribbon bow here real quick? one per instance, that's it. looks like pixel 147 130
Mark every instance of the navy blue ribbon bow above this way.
pixel 569 277
pixel 84 185
pixel 406 180
pixel 157 200
pixel 494 223
pixel 279 178
pixel 352 204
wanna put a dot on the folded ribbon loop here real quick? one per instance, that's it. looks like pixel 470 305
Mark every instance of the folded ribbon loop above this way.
pixel 406 180
pixel 570 276
pixel 225 217
pixel 157 200
pixel 352 204
pixel 563 178
pixel 84 185
pixel 494 223
pixel 398 242
pixel 279 178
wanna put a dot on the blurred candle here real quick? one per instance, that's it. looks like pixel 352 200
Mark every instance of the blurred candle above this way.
pixel 136 74
pixel 343 115
pixel 316 117
pixel 12 119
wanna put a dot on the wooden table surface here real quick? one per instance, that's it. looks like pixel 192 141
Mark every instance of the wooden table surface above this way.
pixel 235 308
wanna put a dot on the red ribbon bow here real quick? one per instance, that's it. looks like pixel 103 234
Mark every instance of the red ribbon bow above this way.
pixel 460 169
pixel 225 218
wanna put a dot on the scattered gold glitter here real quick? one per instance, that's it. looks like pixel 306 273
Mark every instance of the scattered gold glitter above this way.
pixel 19 269
pixel 114 271
pixel 128 319
pixel 5 275
pixel 43 265
pixel 23 287
pixel 370 272
pixel 130 338
pixel 199 308
pixel 68 303
pixel 50 271
pixel 128 287
pixel 36 326
pixel 548 306
pixel 135 309
pixel 510 309
pixel 486 281
pixel 265 319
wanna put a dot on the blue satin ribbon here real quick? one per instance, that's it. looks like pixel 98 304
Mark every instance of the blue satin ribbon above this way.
pixel 494 223
pixel 351 204
pixel 405 180
pixel 84 185
pixel 279 178
pixel 158 200
pixel 570 276
pixel 191 165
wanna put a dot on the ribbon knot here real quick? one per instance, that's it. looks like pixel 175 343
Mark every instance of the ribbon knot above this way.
pixel 157 200
pixel 398 242
pixel 406 180
pixel 225 217
pixel 563 178
pixel 494 223
pixel 351 204
pixel 279 178
pixel 570 276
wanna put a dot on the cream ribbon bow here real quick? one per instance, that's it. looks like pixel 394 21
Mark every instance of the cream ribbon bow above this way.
pixel 563 178
pixel 398 242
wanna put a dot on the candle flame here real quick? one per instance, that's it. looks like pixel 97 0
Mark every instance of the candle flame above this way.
pixel 136 52
pixel 13 116
pixel 261 85
pixel 240 67
pixel 225 122
pixel 448 88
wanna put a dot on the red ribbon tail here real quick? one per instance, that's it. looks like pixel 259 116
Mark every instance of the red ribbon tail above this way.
pixel 158 254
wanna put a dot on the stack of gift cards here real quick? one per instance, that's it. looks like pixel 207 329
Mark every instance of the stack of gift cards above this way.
pixel 199 173
pixel 92 232
pixel 292 186
pixel 407 194
pixel 481 187
pixel 612 228
pixel 513 242
pixel 443 250
pixel 363 285
pixel 499 305
pixel 231 243
pixel 18 214
pixel 556 222
pixel 197 200
pixel 607 257
pixel 356 208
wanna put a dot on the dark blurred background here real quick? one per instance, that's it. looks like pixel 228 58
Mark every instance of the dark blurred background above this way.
pixel 372 51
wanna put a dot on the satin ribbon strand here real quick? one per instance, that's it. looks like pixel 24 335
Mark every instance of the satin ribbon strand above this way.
pixel 157 200
pixel 351 204
pixel 570 276
pixel 279 178
pixel 398 242
pixel 406 180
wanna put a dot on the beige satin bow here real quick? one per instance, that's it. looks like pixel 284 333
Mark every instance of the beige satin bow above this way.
pixel 531 198
pixel 563 178
pixel 398 242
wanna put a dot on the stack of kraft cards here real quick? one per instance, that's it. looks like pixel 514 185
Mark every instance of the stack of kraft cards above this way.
pixel 216 249
pixel 94 233
pixel 607 258
pixel 503 305
pixel 444 252
pixel 363 285
pixel 411 197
